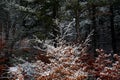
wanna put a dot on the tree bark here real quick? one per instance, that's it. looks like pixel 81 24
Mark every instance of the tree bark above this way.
pixel 112 30
pixel 94 28
pixel 77 25
pixel 55 16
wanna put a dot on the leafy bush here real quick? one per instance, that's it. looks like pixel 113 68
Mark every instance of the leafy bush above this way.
pixel 69 63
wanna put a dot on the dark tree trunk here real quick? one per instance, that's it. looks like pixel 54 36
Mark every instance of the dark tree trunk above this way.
pixel 112 29
pixel 94 28
pixel 55 16
pixel 55 9
pixel 77 25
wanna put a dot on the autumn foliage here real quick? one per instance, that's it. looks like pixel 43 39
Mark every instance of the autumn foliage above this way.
pixel 69 63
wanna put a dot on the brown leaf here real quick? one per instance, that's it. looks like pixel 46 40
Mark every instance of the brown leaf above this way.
pixel 43 58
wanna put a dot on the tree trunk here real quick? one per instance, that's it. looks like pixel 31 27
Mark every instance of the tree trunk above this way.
pixel 55 15
pixel 112 30
pixel 94 28
pixel 77 25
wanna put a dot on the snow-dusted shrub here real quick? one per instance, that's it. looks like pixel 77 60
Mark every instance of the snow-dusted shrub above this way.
pixel 69 63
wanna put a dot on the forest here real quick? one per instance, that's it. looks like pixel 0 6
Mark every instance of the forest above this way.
pixel 59 40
